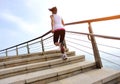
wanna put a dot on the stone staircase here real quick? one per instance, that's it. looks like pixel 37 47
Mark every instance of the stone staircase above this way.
pixel 48 68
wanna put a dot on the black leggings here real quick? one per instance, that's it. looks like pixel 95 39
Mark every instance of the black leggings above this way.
pixel 59 36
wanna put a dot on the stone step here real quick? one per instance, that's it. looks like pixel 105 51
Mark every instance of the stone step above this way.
pixel 49 75
pixel 32 59
pixel 7 72
pixel 8 58
pixel 96 76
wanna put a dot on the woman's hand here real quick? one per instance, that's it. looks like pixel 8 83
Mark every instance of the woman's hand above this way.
pixel 52 31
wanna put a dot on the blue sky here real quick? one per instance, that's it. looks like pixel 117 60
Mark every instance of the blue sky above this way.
pixel 23 20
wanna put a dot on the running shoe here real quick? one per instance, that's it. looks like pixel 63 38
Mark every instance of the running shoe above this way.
pixel 64 56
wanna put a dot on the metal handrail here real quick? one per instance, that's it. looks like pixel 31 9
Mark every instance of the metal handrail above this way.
pixel 74 41
pixel 95 20
pixel 92 37
pixel 27 41
pixel 96 35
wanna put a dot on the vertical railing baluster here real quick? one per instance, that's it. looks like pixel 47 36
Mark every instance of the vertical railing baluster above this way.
pixel 95 48
pixel 16 50
pixel 28 50
pixel 42 45
pixel 6 53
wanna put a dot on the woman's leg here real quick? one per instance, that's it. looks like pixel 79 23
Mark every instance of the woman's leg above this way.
pixel 56 37
pixel 59 35
pixel 62 36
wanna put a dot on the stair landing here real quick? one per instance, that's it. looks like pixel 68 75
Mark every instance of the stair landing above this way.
pixel 96 76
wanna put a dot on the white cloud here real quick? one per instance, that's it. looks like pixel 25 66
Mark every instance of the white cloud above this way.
pixel 25 26
pixel 32 3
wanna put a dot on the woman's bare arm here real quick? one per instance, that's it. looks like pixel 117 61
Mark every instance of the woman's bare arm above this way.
pixel 52 22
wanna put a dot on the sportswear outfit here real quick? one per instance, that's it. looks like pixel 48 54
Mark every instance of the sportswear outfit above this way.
pixel 59 32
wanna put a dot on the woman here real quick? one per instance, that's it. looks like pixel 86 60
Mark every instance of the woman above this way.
pixel 57 24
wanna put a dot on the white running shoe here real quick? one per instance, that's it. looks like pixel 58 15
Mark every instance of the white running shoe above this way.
pixel 64 56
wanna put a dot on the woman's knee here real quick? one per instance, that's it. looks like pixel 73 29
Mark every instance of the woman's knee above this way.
pixel 57 44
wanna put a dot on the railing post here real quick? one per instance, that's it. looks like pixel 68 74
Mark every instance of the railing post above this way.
pixel 42 45
pixel 6 53
pixel 95 48
pixel 16 50
pixel 28 50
